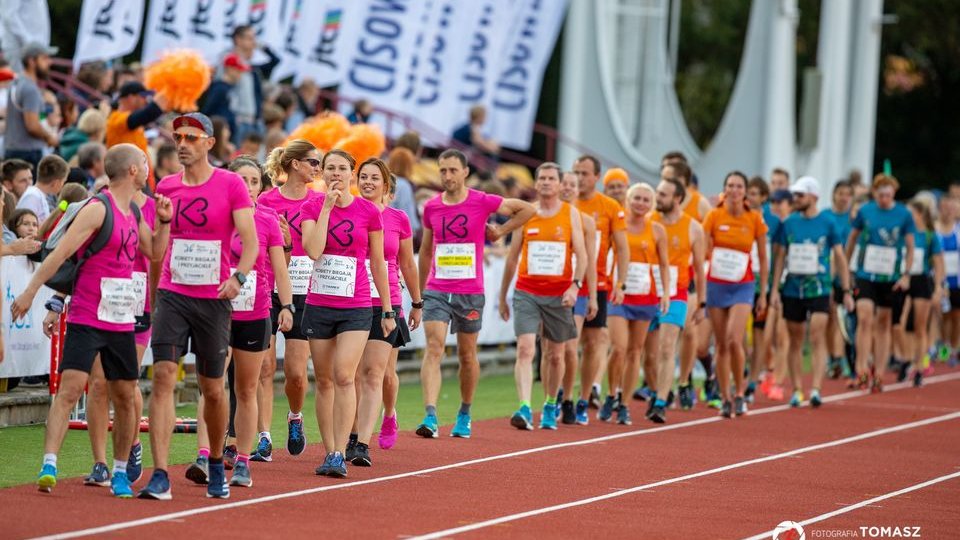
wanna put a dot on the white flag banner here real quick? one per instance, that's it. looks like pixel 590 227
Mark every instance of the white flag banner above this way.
pixel 324 60
pixel 167 27
pixel 205 28
pixel 516 93
pixel 108 29
pixel 26 348
pixel 295 39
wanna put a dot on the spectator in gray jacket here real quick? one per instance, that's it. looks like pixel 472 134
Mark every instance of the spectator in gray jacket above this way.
pixel 25 137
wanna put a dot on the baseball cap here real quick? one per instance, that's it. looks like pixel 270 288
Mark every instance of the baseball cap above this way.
pixel 781 195
pixel 34 49
pixel 233 60
pixel 7 74
pixel 807 185
pixel 131 88
pixel 194 119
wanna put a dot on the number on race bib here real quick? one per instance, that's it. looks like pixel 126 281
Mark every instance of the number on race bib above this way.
pixel 299 269
pixel 916 266
pixel 803 259
pixel 247 297
pixel 638 278
pixel 140 289
pixel 334 275
pixel 951 263
pixel 729 264
pixel 455 261
pixel 546 258
pixel 880 260
pixel 659 283
pixel 195 262
pixel 118 300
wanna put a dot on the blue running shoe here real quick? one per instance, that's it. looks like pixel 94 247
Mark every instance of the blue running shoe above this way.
pixel 47 479
pixel 748 394
pixel 428 428
pixel 157 488
pixel 120 486
pixel 338 466
pixel 548 419
pixel 241 475
pixel 462 428
pixel 135 463
pixel 797 399
pixel 199 471
pixel 99 476
pixel 217 488
pixel 522 419
pixel 623 416
pixel 264 450
pixel 606 412
pixel 324 468
pixel 582 417
pixel 296 439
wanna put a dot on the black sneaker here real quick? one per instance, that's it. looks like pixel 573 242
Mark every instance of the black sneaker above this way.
pixel 567 413
pixel 904 370
pixel 650 405
pixel 726 410
pixel 361 455
pixel 606 412
pixel 658 414
pixel 740 406
pixel 917 379
pixel 711 387
pixel 594 398
pixel 351 452
pixel 686 397
pixel 670 398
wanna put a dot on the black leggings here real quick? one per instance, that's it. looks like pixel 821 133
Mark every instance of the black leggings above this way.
pixel 231 429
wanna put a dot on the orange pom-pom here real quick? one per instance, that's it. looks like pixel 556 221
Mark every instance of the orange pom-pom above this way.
pixel 180 76
pixel 323 130
pixel 365 141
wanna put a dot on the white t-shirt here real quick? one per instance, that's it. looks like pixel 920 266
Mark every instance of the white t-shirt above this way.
pixel 36 200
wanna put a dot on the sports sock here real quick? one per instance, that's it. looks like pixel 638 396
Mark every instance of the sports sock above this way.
pixel 294 415
pixel 354 437
pixel 204 453
pixel 216 461
pixel 267 435
pixel 243 458
pixel 50 459
pixel 431 410
pixel 524 404
pixel 551 401
pixel 119 466
pixel 464 408
pixel 707 362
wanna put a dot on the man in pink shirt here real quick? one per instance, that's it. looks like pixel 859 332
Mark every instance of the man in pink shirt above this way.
pixel 102 315
pixel 195 290
pixel 451 276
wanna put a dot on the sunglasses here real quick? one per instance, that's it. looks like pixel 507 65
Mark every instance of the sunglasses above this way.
pixel 314 162
pixel 189 137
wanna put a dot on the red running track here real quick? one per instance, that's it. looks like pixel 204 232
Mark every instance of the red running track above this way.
pixel 697 476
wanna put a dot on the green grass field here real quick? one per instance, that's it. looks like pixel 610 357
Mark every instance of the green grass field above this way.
pixel 23 446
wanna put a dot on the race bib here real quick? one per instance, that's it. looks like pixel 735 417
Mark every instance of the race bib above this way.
pixel 728 264
pixel 755 257
pixel 334 275
pixel 916 267
pixel 195 262
pixel 118 300
pixel 455 261
pixel 140 289
pixel 374 293
pixel 803 259
pixel 659 283
pixel 546 258
pixel 638 278
pixel 880 260
pixel 855 259
pixel 300 268
pixel 247 296
pixel 951 263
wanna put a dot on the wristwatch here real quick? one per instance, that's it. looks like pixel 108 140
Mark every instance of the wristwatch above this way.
pixel 417 305
pixel 622 286
pixel 578 283
pixel 389 315
pixel 241 278
pixel 291 308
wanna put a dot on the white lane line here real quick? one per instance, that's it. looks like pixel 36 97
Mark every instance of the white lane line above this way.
pixel 546 510
pixel 861 504
pixel 280 496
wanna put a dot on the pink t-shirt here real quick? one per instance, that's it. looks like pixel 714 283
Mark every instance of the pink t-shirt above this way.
pixel 459 233
pixel 103 294
pixel 253 303
pixel 339 278
pixel 198 256
pixel 396 227
pixel 300 266
pixel 142 264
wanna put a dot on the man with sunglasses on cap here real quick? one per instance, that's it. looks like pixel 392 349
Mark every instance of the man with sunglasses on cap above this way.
pixel 135 110
pixel 196 286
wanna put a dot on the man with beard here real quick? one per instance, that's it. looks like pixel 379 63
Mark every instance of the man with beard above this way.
pixel 25 137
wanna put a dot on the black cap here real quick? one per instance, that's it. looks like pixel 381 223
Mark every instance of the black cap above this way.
pixel 781 195
pixel 131 88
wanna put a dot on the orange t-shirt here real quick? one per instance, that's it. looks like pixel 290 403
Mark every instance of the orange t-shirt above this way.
pixel 609 217
pixel 733 238
pixel 118 133
pixel 692 208
pixel 546 266
pixel 680 252
pixel 641 289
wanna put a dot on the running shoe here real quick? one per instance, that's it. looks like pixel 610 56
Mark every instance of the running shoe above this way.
pixel 241 475
pixel 120 486
pixel 388 432
pixel 903 370
pixel 776 393
pixel 47 479
pixel 815 400
pixel 877 386
pixel 522 419
pixel 229 457
pixel 739 406
pixel 264 450
pixel 296 438
pixel 766 383
pixel 623 416
pixel 650 405
pixel 917 379
pixel 462 427
pixel 686 397
pixel 99 476
pixel 670 398
pixel 217 488
pixel 199 471
pixel 324 468
pixel 859 383
pixel 711 389
pixel 606 412
pixel 548 418
pixel 643 393
pixel 726 410
pixel 595 398
pixel 135 463
pixel 581 412
pixel 834 370
pixel 750 392
pixel 428 428
pixel 158 487
pixel 567 413
pixel 361 456
pixel 796 399
pixel 351 451
pixel 338 467
pixel 658 414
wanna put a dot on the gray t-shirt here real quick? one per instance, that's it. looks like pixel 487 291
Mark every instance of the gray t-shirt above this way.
pixel 24 96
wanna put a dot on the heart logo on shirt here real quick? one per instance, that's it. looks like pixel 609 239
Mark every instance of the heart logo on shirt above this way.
pixel 343 228
pixel 129 241
pixel 457 226
pixel 293 219
pixel 193 212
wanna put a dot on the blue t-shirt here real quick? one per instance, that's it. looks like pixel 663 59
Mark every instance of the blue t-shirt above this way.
pixel 811 237
pixel 951 256
pixel 841 221
pixel 929 242
pixel 881 241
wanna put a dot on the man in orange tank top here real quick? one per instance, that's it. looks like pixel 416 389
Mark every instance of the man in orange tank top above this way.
pixel 547 286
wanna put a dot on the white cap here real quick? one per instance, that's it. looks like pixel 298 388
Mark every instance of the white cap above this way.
pixel 807 185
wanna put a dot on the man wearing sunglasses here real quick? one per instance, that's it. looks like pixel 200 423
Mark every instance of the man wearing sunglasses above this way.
pixel 196 286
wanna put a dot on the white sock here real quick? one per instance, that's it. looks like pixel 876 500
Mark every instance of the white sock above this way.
pixel 267 435
pixel 294 416
pixel 119 466
pixel 50 459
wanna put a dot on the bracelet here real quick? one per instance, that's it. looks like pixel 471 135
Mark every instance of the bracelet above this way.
pixel 166 222
pixel 417 305
pixel 287 249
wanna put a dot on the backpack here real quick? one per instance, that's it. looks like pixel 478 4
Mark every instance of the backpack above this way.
pixel 62 281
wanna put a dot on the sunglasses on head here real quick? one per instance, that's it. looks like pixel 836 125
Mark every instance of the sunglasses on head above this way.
pixel 314 162
pixel 189 137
